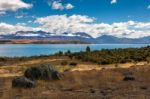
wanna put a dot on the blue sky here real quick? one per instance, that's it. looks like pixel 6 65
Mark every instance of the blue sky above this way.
pixel 123 10
pixel 104 11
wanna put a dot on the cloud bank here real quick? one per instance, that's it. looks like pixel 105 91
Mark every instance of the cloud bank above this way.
pixel 77 23
pixel 80 23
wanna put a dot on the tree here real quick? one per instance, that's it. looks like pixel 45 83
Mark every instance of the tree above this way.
pixel 69 52
pixel 88 49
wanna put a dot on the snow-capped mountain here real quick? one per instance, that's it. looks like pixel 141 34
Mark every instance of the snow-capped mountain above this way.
pixel 31 34
pixel 41 35
pixel 79 36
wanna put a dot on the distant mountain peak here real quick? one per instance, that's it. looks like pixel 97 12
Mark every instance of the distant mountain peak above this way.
pixel 82 34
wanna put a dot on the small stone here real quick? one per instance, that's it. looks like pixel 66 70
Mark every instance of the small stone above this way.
pixel 129 78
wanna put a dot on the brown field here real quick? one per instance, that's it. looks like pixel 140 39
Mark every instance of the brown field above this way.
pixel 84 81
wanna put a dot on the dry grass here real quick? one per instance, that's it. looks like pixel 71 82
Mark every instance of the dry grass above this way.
pixel 84 81
pixel 93 84
pixel 18 68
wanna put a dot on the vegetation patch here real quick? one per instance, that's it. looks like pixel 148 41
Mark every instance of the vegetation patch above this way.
pixel 114 56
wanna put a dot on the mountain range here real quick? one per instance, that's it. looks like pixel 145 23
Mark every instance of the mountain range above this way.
pixel 79 36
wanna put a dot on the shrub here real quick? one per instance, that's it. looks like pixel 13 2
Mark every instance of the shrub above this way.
pixel 60 53
pixel 64 63
pixel 22 82
pixel 103 62
pixel 68 52
pixel 71 56
pixel 44 72
pixel 2 59
pixel 73 64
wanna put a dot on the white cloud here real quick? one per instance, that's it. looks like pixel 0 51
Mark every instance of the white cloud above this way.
pixel 13 5
pixel 148 7
pixel 77 23
pixel 11 29
pixel 2 12
pixel 69 6
pixel 19 16
pixel 57 5
pixel 29 21
pixel 24 15
pixel 21 24
pixel 113 1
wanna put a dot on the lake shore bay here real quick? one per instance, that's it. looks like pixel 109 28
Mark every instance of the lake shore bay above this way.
pixel 86 79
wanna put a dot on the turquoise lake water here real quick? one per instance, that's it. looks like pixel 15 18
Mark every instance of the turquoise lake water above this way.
pixel 18 50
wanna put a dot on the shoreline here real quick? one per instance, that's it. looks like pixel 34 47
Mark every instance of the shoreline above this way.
pixel 27 41
pixel 36 41
pixel 83 50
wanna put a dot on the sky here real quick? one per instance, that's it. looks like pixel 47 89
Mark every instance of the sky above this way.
pixel 120 18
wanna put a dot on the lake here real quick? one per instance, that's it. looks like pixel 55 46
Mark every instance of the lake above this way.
pixel 18 50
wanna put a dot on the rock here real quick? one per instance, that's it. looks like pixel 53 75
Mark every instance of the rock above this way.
pixel 143 87
pixel 22 82
pixel 43 72
pixel 92 90
pixel 129 78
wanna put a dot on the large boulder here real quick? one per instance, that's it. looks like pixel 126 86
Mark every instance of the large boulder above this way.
pixel 22 82
pixel 44 72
